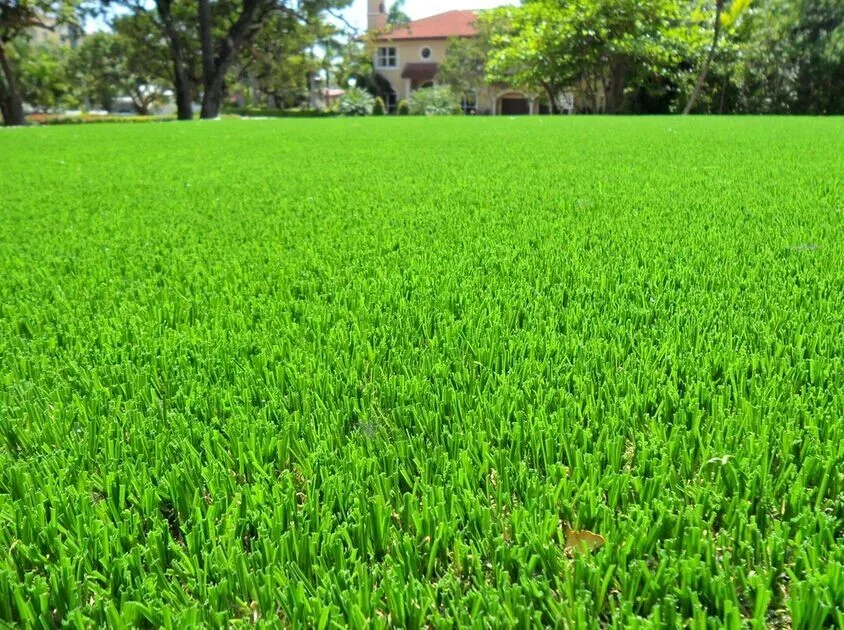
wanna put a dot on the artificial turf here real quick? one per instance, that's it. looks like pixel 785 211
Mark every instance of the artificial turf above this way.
pixel 365 372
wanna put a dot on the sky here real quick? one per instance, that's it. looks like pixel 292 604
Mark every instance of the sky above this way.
pixel 356 14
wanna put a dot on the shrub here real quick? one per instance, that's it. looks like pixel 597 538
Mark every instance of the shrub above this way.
pixel 404 107
pixel 269 112
pixel 379 109
pixel 90 119
pixel 435 101
pixel 356 102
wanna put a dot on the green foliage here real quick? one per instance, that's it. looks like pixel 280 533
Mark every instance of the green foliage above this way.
pixel 403 108
pixel 734 11
pixel 779 58
pixel 464 66
pixel 92 119
pixel 434 101
pixel 281 62
pixel 355 62
pixel 817 54
pixel 264 387
pixel 396 15
pixel 266 112
pixel 601 48
pixel 356 102
pixel 129 62
pixel 43 80
pixel 33 34
pixel 379 109
pixel 773 56
pixel 96 68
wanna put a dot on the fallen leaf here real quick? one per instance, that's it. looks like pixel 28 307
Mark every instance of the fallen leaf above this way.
pixel 723 461
pixel 582 540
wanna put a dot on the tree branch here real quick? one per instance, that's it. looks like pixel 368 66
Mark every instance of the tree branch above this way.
pixel 337 16
pixel 29 22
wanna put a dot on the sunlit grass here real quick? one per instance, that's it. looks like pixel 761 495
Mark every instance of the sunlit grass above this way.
pixel 339 373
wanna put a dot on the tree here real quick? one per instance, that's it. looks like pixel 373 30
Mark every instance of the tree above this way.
pixel 207 38
pixel 281 63
pixel 722 21
pixel 464 66
pixel 20 21
pixel 818 36
pixel 175 21
pixel 95 66
pixel 44 81
pixel 600 47
pixel 355 63
pixel 396 15
pixel 244 21
pixel 141 60
pixel 227 27
pixel 223 29
pixel 769 61
pixel 524 52
pixel 760 72
pixel 129 61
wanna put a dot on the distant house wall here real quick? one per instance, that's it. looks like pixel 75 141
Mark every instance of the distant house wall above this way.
pixel 409 42
pixel 409 51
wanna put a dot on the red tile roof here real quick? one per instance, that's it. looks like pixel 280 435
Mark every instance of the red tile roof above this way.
pixel 440 26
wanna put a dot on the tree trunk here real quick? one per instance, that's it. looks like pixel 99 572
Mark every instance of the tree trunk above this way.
pixel 11 103
pixel 215 68
pixel 719 7
pixel 591 90
pixel 212 97
pixel 206 41
pixel 141 106
pixel 615 91
pixel 184 101
pixel 181 84
pixel 552 101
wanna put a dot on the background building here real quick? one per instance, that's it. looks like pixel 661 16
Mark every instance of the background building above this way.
pixel 407 57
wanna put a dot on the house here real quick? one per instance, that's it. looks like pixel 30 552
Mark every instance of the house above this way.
pixel 406 58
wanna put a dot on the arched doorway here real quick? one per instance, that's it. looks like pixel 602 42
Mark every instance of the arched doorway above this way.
pixel 514 103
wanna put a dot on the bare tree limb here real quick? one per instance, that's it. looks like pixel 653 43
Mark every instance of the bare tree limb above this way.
pixel 339 16
pixel 719 7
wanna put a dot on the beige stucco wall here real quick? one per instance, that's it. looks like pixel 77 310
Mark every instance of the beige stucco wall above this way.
pixel 409 51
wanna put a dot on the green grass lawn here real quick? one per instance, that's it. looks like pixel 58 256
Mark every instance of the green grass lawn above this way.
pixel 346 372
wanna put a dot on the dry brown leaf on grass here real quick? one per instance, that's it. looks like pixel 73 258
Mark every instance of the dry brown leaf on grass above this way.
pixel 582 541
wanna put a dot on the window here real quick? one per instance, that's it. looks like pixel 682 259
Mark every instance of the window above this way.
pixel 469 102
pixel 388 57
pixel 426 53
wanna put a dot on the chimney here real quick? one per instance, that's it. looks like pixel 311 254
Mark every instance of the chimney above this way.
pixel 377 16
